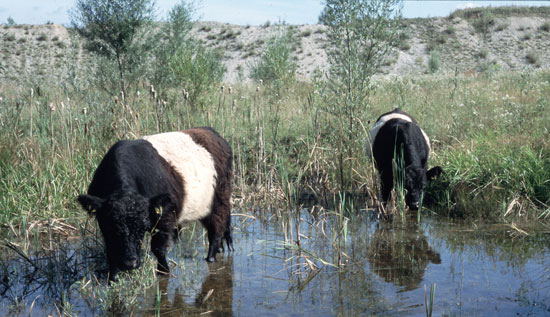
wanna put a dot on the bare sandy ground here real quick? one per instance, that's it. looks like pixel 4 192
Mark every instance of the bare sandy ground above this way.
pixel 50 51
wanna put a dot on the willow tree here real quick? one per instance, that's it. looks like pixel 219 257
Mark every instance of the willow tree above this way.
pixel 361 35
pixel 116 31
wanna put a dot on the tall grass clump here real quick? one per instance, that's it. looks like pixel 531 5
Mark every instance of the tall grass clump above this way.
pixel 494 175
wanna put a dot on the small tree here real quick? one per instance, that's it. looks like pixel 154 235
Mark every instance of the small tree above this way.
pixel 183 62
pixel 275 66
pixel 115 30
pixel 361 34
pixel 175 33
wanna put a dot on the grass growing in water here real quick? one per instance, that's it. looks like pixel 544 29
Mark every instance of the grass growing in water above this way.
pixel 488 133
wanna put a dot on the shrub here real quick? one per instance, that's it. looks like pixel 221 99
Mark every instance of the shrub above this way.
pixel 42 37
pixel 483 53
pixel 275 64
pixel 484 22
pixel 434 62
pixel 533 59
pixel 205 28
pixel 450 30
pixel 527 36
pixel 545 27
pixel 404 46
pixel 197 69
pixel 501 27
pixel 127 44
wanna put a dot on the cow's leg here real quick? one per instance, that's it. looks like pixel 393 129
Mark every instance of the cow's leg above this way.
pixel 214 236
pixel 159 245
pixel 228 239
pixel 224 212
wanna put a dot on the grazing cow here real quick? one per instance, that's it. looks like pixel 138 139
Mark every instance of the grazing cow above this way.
pixel 154 184
pixel 394 134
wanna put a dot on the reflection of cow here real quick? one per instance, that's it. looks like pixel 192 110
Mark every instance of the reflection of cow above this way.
pixel 394 134
pixel 216 294
pixel 400 256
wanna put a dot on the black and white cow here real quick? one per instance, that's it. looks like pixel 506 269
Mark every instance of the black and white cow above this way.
pixel 394 133
pixel 154 184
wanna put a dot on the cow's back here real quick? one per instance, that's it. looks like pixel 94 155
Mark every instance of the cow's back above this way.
pixel 396 114
pixel 132 165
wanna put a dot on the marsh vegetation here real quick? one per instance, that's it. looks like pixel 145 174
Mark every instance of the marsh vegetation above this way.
pixel 304 195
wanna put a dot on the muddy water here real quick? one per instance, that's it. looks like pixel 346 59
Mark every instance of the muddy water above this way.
pixel 476 269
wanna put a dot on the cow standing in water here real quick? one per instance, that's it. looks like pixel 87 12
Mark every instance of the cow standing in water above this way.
pixel 394 134
pixel 154 184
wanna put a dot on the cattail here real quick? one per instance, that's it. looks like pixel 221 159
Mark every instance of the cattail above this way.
pixel 152 92
pixel 52 107
pixel 223 88
pixel 230 89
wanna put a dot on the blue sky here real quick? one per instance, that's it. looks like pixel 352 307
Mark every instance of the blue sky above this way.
pixel 243 12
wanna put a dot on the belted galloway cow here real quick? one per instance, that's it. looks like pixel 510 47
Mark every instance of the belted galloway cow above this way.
pixel 396 142
pixel 155 183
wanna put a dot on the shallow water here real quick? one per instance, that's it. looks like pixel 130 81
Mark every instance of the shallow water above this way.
pixel 477 270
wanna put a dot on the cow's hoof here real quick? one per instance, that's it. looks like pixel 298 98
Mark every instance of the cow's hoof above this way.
pixel 211 259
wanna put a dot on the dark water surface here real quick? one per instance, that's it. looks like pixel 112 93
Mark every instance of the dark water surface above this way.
pixel 477 270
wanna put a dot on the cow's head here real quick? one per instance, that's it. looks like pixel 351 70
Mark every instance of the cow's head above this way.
pixel 123 219
pixel 416 179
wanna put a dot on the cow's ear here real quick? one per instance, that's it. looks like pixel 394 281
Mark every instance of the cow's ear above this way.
pixel 160 205
pixel 90 203
pixel 434 172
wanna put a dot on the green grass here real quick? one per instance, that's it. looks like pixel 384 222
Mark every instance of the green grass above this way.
pixel 488 133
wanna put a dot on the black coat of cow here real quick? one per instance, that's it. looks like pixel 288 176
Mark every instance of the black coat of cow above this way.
pixel 396 142
pixel 148 185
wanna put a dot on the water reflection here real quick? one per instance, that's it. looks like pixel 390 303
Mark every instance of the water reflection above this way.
pixel 400 256
pixel 479 270
pixel 215 296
